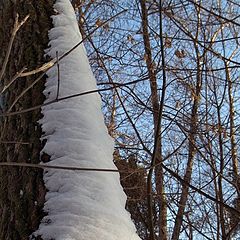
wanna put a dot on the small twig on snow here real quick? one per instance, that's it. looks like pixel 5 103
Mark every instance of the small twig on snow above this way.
pixel 58 76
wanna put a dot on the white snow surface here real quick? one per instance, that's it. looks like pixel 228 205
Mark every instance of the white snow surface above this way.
pixel 80 205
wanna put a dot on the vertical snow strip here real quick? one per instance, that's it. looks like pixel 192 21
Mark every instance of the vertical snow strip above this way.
pixel 80 205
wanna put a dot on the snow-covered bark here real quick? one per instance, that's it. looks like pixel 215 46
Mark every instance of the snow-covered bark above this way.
pixel 79 205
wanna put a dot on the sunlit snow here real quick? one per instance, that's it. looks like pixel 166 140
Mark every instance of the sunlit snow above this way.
pixel 80 205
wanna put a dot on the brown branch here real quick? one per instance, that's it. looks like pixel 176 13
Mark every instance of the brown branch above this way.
pixel 183 182
pixel 115 86
pixel 43 68
pixel 53 62
pixel 172 173
pixel 50 64
pixel 14 142
pixel 58 76
pixel 24 91
pixel 16 27
pixel 17 75
pixel 214 14
pixel 32 165
pixel 208 48
pixel 119 97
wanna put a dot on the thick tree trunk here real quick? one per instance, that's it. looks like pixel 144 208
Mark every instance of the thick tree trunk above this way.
pixel 22 190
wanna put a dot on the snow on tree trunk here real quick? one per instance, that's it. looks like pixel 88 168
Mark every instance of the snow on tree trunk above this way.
pixel 79 205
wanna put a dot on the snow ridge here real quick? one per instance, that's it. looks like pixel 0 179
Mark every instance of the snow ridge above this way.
pixel 80 205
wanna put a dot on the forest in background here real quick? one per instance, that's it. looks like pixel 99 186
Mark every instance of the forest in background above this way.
pixel 173 110
pixel 168 75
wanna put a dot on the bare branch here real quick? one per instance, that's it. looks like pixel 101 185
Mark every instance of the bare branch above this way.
pixel 16 27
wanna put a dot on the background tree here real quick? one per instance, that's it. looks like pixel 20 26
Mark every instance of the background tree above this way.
pixel 199 39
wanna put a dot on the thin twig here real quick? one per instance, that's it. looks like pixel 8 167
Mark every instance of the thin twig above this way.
pixel 25 90
pixel 16 27
pixel 183 182
pixel 115 85
pixel 14 142
pixel 119 97
pixel 214 14
pixel 17 75
pixel 43 68
pixel 41 166
pixel 51 63
pixel 172 173
pixel 58 76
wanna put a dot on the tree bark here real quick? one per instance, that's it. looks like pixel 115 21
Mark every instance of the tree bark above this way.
pixel 22 191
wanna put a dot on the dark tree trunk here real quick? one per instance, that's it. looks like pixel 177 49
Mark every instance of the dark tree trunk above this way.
pixel 22 190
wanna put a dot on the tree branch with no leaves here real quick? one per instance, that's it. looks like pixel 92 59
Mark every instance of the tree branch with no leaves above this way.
pixel 16 27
